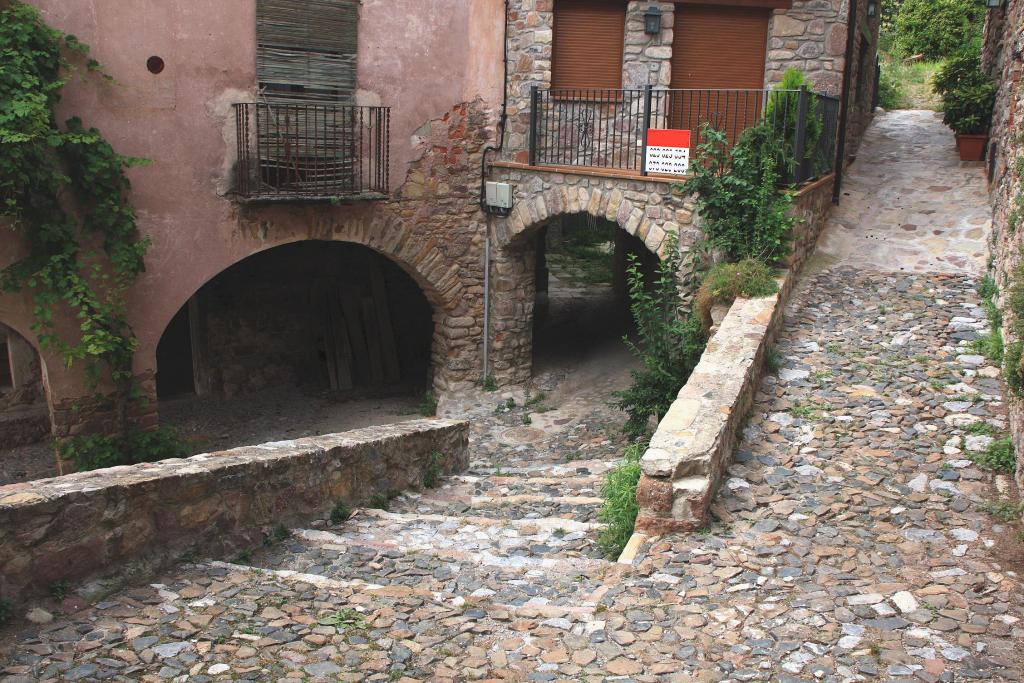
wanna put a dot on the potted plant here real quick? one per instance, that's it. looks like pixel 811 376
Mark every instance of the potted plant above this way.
pixel 968 95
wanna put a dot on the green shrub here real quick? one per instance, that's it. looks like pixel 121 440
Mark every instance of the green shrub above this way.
pixel 891 90
pixel 937 28
pixel 668 344
pixel 968 94
pixel 781 111
pixel 620 506
pixel 1000 456
pixel 96 451
pixel 737 196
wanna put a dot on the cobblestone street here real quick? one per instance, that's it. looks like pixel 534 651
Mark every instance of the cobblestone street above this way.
pixel 853 539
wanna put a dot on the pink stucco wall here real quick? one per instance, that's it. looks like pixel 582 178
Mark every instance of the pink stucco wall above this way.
pixel 421 58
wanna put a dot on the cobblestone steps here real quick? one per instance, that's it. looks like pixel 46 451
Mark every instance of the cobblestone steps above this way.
pixel 449 574
pixel 521 506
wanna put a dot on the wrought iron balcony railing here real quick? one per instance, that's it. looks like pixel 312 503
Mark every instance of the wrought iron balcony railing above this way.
pixel 311 151
pixel 608 128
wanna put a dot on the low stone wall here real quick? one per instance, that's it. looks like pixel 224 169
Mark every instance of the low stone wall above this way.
pixel 123 520
pixel 694 442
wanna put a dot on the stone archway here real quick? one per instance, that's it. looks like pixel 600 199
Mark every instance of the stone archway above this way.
pixel 645 209
pixel 24 397
pixel 328 316
pixel 456 310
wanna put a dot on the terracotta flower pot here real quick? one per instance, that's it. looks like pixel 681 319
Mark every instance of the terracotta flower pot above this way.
pixel 971 147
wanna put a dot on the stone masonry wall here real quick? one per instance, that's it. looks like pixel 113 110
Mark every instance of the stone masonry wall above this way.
pixel 1004 45
pixel 694 441
pixel 811 37
pixel 136 518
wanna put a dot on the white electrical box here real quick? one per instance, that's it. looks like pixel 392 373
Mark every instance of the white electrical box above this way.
pixel 499 195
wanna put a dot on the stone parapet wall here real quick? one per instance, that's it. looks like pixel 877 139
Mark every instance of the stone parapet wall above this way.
pixel 694 442
pixel 1004 41
pixel 118 520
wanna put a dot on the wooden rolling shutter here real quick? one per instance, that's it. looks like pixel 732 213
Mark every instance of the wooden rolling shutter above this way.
pixel 588 44
pixel 306 50
pixel 719 47
pixel 718 56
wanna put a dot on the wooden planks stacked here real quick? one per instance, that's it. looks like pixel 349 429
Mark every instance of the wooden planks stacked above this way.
pixel 357 332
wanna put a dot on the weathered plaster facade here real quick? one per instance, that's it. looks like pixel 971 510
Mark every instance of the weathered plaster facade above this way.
pixel 1004 43
pixel 444 95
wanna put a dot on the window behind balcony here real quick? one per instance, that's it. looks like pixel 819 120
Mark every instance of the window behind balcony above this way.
pixel 306 50
pixel 588 44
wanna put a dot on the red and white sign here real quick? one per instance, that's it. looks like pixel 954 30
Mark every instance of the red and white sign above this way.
pixel 668 151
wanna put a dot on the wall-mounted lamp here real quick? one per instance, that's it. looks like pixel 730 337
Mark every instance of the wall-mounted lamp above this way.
pixel 873 9
pixel 652 21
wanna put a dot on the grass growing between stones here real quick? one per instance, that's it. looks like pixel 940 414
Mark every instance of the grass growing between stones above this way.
pixel 1004 510
pixel 344 619
pixel 990 344
pixel 620 506
pixel 428 405
pixel 341 512
pixel 432 471
pixel 999 457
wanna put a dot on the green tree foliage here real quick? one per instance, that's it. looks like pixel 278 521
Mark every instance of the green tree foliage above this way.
pixel 65 193
pixel 742 210
pixel 669 345
pixel 937 28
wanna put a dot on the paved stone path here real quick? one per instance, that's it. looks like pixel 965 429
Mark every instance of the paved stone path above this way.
pixel 909 204
pixel 851 541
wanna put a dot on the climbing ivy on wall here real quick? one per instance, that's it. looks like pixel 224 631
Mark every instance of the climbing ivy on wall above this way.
pixel 64 191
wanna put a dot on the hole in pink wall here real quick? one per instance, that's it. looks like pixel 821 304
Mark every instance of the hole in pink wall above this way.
pixel 155 64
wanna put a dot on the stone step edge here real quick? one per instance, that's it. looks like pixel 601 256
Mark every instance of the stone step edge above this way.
pixel 561 565
pixel 545 523
pixel 632 548
pixel 530 471
pixel 502 501
pixel 544 481
pixel 581 613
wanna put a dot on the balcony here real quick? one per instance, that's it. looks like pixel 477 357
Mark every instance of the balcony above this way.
pixel 311 152
pixel 606 129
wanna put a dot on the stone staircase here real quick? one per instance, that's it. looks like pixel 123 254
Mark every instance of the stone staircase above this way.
pixel 521 540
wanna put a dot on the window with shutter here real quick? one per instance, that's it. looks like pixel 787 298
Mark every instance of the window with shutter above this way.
pixel 306 50
pixel 588 44
pixel 718 57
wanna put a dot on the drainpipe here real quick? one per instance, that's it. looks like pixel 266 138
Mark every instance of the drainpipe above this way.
pixel 844 112
pixel 502 120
